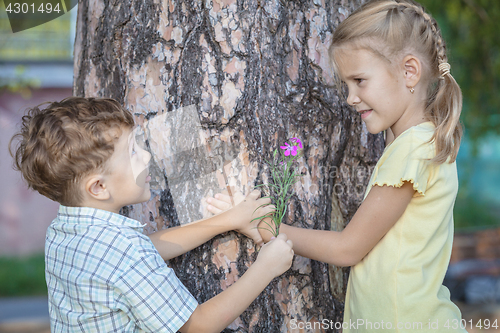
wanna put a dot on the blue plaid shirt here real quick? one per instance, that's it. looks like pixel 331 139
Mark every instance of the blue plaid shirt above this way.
pixel 104 275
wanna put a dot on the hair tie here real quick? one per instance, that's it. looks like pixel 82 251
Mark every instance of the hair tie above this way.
pixel 444 69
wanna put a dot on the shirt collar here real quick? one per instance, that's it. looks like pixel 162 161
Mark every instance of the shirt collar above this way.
pixel 89 215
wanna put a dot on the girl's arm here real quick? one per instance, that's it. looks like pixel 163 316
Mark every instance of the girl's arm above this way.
pixel 380 210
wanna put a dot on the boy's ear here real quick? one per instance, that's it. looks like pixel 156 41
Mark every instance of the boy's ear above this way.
pixel 412 70
pixel 96 188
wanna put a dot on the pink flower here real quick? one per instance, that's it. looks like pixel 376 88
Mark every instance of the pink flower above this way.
pixel 289 149
pixel 297 140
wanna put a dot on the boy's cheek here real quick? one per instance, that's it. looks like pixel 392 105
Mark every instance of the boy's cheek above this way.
pixel 140 178
pixel 147 195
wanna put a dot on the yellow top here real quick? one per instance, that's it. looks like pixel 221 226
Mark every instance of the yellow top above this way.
pixel 398 287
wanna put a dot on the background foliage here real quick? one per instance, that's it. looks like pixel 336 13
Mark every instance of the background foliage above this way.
pixel 22 276
pixel 470 29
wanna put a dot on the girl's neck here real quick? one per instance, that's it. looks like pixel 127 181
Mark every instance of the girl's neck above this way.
pixel 412 117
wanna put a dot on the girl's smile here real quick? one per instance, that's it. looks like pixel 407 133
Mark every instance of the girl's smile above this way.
pixel 365 113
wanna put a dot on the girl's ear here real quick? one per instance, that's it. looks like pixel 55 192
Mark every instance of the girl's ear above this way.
pixel 96 188
pixel 412 70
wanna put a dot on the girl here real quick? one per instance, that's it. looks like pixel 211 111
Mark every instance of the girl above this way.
pixel 392 58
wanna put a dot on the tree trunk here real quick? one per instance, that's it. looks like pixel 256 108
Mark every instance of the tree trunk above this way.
pixel 218 85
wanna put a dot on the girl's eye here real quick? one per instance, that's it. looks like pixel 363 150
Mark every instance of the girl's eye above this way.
pixel 359 80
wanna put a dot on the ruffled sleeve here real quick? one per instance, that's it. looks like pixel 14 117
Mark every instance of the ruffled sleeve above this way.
pixel 406 159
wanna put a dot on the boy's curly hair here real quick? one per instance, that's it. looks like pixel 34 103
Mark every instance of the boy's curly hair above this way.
pixel 68 140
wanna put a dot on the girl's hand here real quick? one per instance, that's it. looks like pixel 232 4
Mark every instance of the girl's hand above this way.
pixel 276 256
pixel 267 229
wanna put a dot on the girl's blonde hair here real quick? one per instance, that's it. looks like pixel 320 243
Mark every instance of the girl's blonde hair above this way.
pixel 395 28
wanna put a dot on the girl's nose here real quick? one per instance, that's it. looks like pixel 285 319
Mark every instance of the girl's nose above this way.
pixel 353 99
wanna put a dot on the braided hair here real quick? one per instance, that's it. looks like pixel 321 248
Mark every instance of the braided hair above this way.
pixel 395 28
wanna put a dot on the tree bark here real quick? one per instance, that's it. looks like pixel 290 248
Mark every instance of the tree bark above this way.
pixel 218 85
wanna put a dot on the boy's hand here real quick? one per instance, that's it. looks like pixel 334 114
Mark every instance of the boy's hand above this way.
pixel 222 201
pixel 249 209
pixel 276 256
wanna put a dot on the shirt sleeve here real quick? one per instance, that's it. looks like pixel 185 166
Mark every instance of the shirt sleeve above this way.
pixel 153 295
pixel 406 160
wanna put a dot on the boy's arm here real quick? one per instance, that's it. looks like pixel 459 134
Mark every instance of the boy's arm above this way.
pixel 380 210
pixel 220 311
pixel 173 242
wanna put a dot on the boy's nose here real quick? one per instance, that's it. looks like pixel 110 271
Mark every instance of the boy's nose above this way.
pixel 146 156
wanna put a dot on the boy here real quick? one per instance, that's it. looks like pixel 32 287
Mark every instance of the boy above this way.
pixel 103 274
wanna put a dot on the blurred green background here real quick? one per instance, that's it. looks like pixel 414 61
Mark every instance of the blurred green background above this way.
pixel 471 31
pixel 32 63
pixel 470 28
